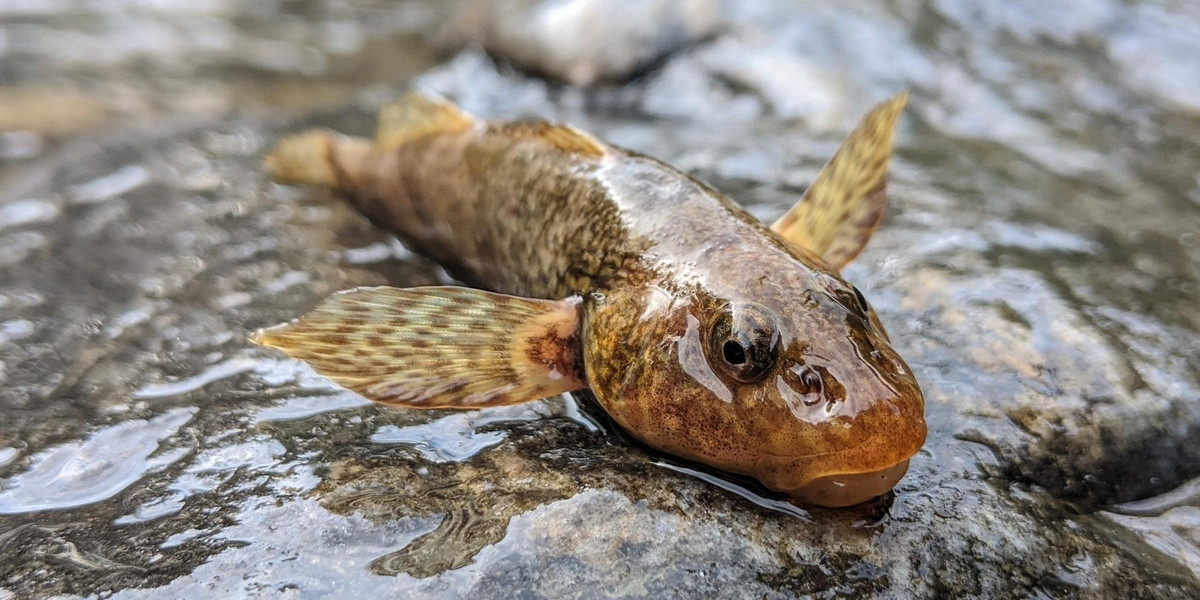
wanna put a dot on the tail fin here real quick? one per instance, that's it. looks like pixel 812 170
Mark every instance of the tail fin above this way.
pixel 323 157
pixel 317 157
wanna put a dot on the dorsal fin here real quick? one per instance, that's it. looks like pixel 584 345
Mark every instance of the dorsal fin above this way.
pixel 841 209
pixel 417 115
pixel 563 137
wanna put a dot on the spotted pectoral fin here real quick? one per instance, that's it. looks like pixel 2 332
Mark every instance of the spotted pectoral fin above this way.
pixel 839 212
pixel 438 347
pixel 416 115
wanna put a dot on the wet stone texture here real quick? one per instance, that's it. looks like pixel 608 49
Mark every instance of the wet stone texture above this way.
pixel 1038 270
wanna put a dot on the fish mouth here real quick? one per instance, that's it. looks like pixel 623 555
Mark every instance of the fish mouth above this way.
pixel 847 489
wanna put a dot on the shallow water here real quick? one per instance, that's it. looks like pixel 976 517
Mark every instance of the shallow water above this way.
pixel 1038 271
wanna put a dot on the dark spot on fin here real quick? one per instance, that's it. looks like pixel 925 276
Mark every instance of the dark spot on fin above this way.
pixel 417 115
pixel 563 137
pixel 438 347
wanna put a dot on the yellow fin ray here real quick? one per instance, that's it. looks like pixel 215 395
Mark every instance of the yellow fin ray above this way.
pixel 317 157
pixel 842 208
pixel 416 115
pixel 438 347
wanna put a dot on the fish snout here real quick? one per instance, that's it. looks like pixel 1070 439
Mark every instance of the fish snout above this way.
pixel 848 489
pixel 838 479
pixel 849 460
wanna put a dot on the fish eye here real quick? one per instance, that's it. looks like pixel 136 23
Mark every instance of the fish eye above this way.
pixel 862 301
pixel 744 341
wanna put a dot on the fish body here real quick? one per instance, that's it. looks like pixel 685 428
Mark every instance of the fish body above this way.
pixel 701 331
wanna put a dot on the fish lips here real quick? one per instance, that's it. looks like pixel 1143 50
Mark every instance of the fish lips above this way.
pixel 844 478
pixel 848 489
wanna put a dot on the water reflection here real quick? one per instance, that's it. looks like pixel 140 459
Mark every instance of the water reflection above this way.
pixel 458 436
pixel 472 471
pixel 780 506
pixel 96 468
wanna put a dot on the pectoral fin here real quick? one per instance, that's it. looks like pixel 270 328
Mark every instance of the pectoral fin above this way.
pixel 438 347
pixel 839 212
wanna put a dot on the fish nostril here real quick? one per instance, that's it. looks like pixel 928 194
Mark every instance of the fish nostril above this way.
pixel 812 385
pixel 820 386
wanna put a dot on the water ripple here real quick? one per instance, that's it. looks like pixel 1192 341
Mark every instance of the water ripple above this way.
pixel 94 469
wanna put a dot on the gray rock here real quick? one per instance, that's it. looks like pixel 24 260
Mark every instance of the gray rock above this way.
pixel 582 42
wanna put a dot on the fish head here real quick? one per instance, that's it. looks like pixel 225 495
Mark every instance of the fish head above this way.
pixel 784 374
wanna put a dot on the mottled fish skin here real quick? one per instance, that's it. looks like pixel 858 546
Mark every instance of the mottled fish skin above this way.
pixel 502 209
pixel 666 269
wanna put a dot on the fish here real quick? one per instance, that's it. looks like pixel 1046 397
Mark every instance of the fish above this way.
pixel 701 331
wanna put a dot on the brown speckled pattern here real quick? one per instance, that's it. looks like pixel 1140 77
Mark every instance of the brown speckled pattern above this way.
pixel 438 347
pixel 506 212
pixel 656 256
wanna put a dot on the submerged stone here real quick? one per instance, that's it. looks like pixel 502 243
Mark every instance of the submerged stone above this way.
pixel 584 42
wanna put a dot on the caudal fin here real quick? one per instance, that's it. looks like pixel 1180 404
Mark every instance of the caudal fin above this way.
pixel 317 157
pixel 324 157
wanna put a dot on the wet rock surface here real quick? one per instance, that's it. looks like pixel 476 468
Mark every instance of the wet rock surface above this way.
pixel 1038 270
pixel 68 67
